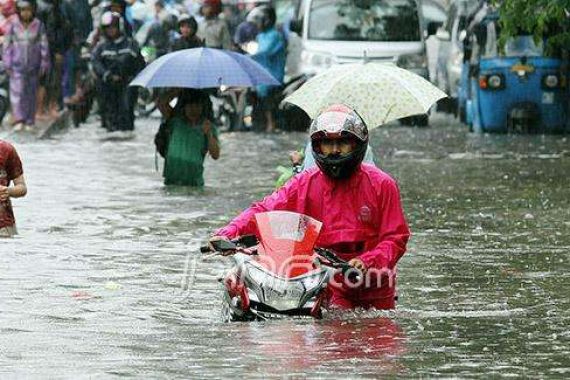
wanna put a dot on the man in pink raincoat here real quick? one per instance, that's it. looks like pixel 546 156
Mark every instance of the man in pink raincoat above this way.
pixel 358 204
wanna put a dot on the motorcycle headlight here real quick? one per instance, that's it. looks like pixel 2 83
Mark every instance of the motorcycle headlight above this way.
pixel 279 293
pixel 317 60
pixel 494 81
pixel 251 47
pixel 551 81
pixel 312 282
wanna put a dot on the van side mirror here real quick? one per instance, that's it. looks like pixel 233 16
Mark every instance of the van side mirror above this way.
pixel 442 35
pixel 296 26
pixel 432 27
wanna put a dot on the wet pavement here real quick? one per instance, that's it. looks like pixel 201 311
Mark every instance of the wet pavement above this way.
pixel 105 280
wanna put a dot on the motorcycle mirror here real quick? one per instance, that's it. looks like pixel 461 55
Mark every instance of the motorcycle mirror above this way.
pixel 219 246
pixel 223 245
pixel 247 240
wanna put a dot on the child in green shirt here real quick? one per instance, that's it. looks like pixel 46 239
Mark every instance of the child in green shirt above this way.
pixel 186 137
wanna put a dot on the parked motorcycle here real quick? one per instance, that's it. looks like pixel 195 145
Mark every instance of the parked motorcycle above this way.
pixel 282 274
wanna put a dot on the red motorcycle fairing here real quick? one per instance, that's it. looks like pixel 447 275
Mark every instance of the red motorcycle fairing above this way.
pixel 287 240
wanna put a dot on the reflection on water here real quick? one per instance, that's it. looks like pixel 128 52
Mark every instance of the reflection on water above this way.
pixel 92 286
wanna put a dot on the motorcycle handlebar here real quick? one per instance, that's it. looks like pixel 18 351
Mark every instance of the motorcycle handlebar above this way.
pixel 245 241
pixel 354 274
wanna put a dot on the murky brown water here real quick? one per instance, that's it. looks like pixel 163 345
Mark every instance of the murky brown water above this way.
pixel 92 286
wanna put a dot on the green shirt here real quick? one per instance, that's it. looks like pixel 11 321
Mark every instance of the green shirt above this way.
pixel 187 148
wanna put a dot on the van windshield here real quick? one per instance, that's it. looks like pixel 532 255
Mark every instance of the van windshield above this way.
pixel 364 20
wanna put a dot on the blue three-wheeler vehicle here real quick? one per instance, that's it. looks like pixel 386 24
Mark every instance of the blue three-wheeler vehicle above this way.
pixel 516 88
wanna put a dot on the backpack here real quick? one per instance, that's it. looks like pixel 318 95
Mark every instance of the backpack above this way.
pixel 162 138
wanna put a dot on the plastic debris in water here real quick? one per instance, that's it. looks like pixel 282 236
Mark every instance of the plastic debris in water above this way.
pixel 81 295
pixel 112 286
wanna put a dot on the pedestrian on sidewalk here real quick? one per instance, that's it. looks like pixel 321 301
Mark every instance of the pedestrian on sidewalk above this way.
pixel 186 136
pixel 11 172
pixel 26 58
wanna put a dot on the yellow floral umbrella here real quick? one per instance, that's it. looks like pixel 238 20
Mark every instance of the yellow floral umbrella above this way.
pixel 379 92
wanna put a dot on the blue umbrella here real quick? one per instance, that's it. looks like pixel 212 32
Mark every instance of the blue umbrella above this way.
pixel 203 68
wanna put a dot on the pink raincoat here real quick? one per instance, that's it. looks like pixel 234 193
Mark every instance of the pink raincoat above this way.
pixel 362 217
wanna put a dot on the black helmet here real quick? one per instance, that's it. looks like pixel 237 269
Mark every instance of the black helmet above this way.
pixel 339 122
pixel 263 15
pixel 187 19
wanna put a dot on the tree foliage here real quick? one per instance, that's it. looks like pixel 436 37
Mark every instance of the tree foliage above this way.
pixel 541 18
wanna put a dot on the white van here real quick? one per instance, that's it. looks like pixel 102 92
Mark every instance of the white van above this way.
pixel 344 31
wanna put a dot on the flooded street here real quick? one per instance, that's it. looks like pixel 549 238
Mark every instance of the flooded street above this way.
pixel 106 278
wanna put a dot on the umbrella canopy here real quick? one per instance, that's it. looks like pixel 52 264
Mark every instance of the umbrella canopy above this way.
pixel 203 68
pixel 379 92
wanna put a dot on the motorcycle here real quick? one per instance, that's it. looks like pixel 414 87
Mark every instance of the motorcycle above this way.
pixel 283 274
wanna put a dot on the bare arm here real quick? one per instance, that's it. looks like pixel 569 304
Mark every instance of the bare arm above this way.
pixel 163 103
pixel 213 144
pixel 18 190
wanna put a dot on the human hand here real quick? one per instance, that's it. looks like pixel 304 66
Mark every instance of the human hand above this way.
pixel 296 157
pixel 358 264
pixel 115 78
pixel 4 194
pixel 207 129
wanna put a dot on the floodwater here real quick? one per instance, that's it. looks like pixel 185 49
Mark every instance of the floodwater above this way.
pixel 105 280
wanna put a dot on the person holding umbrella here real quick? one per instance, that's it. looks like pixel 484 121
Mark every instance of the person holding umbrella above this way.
pixel 186 137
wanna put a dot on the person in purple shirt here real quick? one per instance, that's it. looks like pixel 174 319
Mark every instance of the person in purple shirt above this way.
pixel 26 58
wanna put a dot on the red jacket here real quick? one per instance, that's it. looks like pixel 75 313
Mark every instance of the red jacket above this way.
pixel 362 217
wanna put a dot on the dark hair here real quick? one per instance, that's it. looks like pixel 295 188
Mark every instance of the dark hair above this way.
pixel 194 96
pixel 28 3
pixel 269 17
pixel 191 21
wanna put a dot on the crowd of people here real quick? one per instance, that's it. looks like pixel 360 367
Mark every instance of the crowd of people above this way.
pixel 44 48
pixel 45 43
pixel 41 48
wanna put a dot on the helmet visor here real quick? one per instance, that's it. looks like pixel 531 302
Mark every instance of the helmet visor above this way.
pixel 335 146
